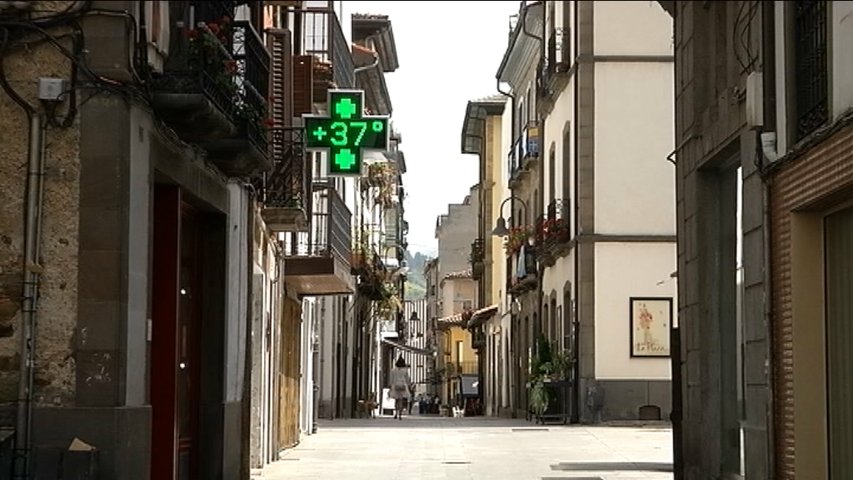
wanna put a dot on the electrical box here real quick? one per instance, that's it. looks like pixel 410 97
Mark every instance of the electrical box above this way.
pixel 754 100
pixel 51 89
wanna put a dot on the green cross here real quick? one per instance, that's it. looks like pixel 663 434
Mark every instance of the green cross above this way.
pixel 346 132
pixel 345 108
pixel 345 158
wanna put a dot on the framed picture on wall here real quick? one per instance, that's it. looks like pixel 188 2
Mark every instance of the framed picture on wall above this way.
pixel 651 319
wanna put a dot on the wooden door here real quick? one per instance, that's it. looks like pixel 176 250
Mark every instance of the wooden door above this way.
pixel 290 374
pixel 189 351
pixel 175 346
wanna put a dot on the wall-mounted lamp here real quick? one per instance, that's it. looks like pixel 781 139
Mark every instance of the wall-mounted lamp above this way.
pixel 500 225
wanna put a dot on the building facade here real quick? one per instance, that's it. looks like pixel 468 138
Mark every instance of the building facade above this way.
pixel 483 131
pixel 581 147
pixel 131 228
pixel 774 160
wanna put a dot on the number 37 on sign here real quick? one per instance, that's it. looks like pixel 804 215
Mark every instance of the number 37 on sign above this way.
pixel 346 132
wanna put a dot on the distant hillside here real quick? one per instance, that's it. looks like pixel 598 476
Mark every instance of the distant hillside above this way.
pixel 415 281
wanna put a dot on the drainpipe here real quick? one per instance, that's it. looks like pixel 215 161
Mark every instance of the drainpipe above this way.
pixel 29 304
pixel 576 323
pixel 769 79
pixel 374 64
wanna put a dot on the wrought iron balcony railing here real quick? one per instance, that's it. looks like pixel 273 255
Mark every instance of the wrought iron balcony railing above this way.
pixel 478 251
pixel 323 37
pixel 253 71
pixel 461 368
pixel 201 59
pixel 285 191
pixel 329 233
pixel 525 148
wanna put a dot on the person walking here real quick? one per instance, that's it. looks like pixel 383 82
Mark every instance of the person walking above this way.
pixel 400 382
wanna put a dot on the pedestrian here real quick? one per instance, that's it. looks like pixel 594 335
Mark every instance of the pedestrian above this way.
pixel 400 382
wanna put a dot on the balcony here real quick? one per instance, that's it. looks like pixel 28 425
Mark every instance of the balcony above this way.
pixel 556 229
pixel 477 258
pixel 461 368
pixel 323 38
pixel 552 71
pixel 214 85
pixel 317 262
pixel 522 268
pixel 524 154
pixel 284 190
pixel 247 151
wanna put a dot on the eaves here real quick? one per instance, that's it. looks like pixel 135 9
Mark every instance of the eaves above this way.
pixel 525 46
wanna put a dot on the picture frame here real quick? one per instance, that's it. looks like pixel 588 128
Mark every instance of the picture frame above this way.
pixel 650 323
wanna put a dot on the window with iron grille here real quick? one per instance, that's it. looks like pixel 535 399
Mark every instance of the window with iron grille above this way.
pixel 810 66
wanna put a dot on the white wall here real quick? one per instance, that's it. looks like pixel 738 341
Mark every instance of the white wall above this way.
pixel 634 183
pixel 555 123
pixel 624 270
pixel 842 64
pixel 238 293
pixel 306 394
pixel 632 28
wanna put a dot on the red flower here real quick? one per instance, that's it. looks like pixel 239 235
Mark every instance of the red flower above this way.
pixel 269 122
pixel 230 66
pixel 213 27
pixel 192 33
pixel 225 20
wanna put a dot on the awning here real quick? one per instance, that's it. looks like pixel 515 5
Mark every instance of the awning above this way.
pixel 482 315
pixel 408 348
pixel 455 320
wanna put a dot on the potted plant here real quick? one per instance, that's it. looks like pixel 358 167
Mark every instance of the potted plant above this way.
pixel 548 373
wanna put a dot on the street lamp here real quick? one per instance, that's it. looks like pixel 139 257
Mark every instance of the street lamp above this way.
pixel 500 226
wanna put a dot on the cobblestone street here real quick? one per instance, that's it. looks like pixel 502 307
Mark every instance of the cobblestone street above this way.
pixel 476 448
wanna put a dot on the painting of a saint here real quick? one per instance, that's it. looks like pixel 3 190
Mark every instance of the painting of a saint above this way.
pixel 650 324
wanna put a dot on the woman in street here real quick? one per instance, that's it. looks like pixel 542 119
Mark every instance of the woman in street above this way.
pixel 400 381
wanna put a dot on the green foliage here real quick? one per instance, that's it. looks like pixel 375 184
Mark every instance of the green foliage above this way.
pixel 415 280
pixel 540 397
pixel 545 366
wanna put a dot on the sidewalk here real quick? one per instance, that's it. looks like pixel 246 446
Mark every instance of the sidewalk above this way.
pixel 432 447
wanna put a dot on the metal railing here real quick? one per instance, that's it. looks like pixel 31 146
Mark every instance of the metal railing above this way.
pixel 288 185
pixel 461 368
pixel 525 146
pixel 253 70
pixel 810 66
pixel 324 38
pixel 199 60
pixel 329 233
pixel 478 251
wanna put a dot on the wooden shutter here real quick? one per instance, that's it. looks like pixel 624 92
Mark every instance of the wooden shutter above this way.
pixel 281 77
pixel 303 84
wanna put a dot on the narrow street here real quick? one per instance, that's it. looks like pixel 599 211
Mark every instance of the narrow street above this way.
pixel 430 447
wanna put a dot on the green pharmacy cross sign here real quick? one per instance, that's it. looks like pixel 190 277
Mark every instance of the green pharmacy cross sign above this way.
pixel 346 132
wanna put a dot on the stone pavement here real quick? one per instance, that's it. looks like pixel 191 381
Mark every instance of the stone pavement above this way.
pixel 429 447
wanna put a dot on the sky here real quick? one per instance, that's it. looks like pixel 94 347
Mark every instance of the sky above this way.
pixel 449 53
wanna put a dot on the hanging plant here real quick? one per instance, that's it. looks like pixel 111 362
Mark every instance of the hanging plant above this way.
pixel 389 302
pixel 517 237
pixel 383 176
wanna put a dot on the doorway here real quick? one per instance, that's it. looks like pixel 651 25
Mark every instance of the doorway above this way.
pixel 186 295
pixel 838 235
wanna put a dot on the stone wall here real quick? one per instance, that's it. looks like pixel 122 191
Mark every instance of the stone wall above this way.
pixel 56 308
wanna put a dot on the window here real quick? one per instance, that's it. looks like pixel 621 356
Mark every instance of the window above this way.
pixel 459 351
pixel 552 173
pixel 810 67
